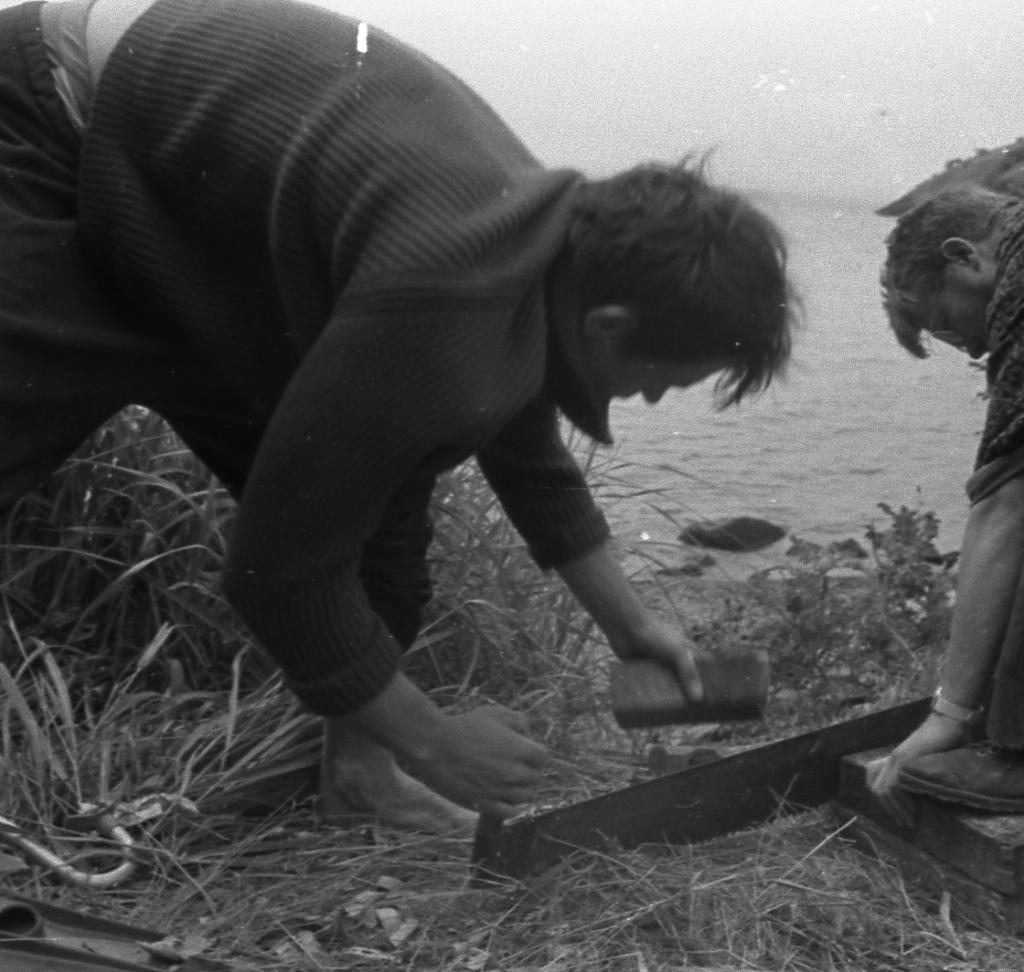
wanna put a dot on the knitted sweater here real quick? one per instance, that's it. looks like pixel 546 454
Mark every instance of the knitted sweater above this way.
pixel 1000 456
pixel 1004 421
pixel 354 249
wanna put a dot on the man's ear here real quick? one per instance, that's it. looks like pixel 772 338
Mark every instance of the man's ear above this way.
pixel 608 323
pixel 958 250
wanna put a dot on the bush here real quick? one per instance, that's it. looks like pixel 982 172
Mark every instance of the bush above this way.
pixel 844 627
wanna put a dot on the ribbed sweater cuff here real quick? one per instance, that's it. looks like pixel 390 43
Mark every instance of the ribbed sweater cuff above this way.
pixel 346 689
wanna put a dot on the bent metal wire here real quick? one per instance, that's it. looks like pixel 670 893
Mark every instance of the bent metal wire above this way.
pixel 105 825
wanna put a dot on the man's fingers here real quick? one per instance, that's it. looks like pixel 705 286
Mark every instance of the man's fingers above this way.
pixel 535 756
pixel 512 720
pixel 527 750
pixel 505 801
pixel 487 761
pixel 518 795
pixel 902 806
pixel 880 775
pixel 873 771
pixel 689 677
pixel 499 808
pixel 899 806
pixel 525 764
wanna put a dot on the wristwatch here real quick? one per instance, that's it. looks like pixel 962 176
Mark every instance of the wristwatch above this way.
pixel 943 707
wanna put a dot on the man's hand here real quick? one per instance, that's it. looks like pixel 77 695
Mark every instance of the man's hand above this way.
pixel 937 734
pixel 632 629
pixel 483 759
pixel 664 642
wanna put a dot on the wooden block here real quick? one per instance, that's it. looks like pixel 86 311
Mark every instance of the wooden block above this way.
pixel 645 693
pixel 970 900
pixel 977 857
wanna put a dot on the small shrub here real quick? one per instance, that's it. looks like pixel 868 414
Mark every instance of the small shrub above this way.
pixel 843 628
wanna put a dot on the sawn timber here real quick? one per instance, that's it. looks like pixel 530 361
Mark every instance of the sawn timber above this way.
pixel 694 804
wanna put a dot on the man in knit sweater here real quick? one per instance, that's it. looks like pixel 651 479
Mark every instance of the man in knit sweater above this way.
pixel 337 274
pixel 955 273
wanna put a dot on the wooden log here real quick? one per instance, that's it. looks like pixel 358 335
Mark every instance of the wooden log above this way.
pixel 970 900
pixel 977 858
pixel 988 847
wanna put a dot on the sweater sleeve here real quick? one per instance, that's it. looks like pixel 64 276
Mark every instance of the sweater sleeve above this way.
pixel 379 400
pixel 542 488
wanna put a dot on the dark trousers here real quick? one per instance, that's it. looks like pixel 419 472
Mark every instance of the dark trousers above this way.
pixel 1005 724
pixel 68 357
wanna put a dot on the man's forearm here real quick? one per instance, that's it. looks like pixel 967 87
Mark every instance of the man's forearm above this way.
pixel 597 580
pixel 400 717
pixel 632 630
pixel 988 583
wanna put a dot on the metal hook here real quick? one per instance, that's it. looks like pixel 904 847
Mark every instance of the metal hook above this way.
pixel 102 823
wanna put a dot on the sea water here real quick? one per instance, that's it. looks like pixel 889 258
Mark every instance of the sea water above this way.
pixel 857 422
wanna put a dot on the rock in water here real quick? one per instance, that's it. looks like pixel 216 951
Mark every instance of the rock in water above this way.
pixel 737 533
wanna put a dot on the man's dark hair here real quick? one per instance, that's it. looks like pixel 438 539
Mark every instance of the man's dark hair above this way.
pixel 702 269
pixel 915 264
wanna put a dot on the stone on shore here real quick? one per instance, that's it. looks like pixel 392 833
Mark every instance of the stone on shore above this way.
pixel 736 533
pixel 692 566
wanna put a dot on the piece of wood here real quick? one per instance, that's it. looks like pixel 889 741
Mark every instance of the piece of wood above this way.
pixel 970 899
pixel 985 847
pixel 695 804
pixel 646 693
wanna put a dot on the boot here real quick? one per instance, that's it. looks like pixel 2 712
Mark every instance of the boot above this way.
pixel 981 776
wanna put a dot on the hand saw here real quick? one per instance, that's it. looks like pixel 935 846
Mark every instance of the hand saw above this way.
pixel 694 804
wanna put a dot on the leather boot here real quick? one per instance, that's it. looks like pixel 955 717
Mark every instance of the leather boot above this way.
pixel 981 776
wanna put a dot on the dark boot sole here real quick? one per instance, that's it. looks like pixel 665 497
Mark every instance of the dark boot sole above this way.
pixel 965 798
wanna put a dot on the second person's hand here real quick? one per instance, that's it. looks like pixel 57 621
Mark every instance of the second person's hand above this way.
pixel 937 734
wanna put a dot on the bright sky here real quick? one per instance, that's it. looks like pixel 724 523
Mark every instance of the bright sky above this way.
pixel 848 98
pixel 859 98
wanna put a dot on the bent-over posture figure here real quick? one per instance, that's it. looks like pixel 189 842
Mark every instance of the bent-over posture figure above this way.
pixel 336 273
pixel 955 271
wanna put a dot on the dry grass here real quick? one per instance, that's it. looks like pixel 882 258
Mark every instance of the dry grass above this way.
pixel 276 892
pixel 258 888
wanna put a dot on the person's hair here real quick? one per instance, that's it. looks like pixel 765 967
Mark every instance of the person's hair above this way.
pixel 703 271
pixel 914 264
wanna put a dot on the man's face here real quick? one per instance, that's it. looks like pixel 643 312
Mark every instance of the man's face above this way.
pixel 958 319
pixel 957 313
pixel 629 376
pixel 615 372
